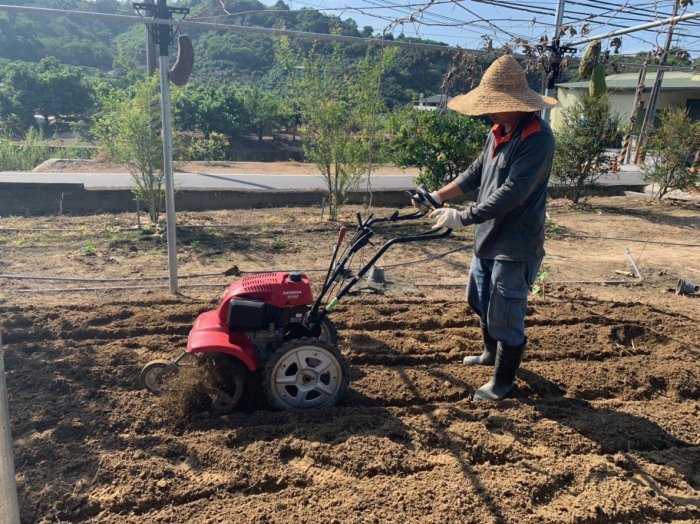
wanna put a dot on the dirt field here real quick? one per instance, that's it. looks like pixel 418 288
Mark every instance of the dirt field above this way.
pixel 603 426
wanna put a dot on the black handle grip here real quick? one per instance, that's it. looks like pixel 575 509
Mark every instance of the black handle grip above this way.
pixel 427 197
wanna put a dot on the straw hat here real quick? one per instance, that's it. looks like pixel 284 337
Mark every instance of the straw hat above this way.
pixel 503 89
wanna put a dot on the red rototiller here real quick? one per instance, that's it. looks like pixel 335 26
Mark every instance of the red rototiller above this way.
pixel 269 324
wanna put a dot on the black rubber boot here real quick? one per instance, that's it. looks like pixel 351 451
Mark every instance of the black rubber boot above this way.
pixel 488 357
pixel 507 363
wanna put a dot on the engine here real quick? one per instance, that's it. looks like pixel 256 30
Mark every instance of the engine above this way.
pixel 266 307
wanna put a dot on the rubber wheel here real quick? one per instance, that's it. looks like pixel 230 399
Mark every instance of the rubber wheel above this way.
pixel 305 373
pixel 228 376
pixel 155 373
pixel 329 333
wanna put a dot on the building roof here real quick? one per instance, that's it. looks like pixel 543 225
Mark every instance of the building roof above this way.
pixel 673 81
pixel 434 99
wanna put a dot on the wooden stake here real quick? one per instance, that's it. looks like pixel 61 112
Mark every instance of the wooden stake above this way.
pixel 634 264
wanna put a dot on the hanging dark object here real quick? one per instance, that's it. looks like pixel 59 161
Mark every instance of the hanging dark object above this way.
pixel 590 58
pixel 181 70
pixel 596 85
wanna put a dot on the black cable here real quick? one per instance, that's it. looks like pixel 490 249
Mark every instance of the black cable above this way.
pixel 634 7
pixel 568 14
pixel 659 242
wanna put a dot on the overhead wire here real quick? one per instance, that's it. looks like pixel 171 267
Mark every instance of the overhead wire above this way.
pixel 430 19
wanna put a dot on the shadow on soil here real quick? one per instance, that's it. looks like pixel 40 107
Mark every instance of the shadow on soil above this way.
pixel 612 430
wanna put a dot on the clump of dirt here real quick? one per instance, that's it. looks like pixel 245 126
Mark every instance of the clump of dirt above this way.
pixel 186 394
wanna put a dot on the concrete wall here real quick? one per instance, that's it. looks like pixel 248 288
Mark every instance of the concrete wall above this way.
pixel 621 102
pixel 72 199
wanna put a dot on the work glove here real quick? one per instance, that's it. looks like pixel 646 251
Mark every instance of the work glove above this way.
pixel 451 218
pixel 422 206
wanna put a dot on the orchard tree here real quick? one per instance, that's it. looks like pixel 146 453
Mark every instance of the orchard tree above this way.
pixel 199 107
pixel 266 111
pixel 670 151
pixel 48 88
pixel 337 107
pixel 127 128
pixel 588 127
pixel 441 144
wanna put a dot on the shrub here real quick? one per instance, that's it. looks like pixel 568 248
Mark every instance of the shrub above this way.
pixel 24 155
pixel 580 161
pixel 441 144
pixel 670 150
pixel 195 146
pixel 34 149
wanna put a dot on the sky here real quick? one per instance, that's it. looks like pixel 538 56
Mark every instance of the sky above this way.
pixel 465 22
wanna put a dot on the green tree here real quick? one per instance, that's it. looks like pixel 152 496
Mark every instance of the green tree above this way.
pixel 441 144
pixel 127 129
pixel 588 127
pixel 48 88
pixel 266 111
pixel 200 107
pixel 670 149
pixel 336 108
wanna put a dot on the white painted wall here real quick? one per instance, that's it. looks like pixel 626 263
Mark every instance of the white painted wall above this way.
pixel 621 102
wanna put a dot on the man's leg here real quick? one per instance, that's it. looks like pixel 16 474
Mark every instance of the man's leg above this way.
pixel 478 296
pixel 510 286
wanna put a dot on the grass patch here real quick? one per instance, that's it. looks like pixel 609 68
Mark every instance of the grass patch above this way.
pixel 34 149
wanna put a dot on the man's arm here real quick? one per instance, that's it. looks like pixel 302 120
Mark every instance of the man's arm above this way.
pixel 449 191
pixel 528 170
pixel 470 178
pixel 466 181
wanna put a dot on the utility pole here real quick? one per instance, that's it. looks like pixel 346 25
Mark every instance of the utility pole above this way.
pixel 151 61
pixel 654 96
pixel 163 35
pixel 626 151
pixel 558 19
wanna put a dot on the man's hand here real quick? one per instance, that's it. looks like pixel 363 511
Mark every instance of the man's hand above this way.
pixel 422 205
pixel 447 217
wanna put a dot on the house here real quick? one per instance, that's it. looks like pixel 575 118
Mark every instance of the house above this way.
pixel 431 103
pixel 677 89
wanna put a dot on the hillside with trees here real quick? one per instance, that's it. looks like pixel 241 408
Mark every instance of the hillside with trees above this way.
pixel 221 57
pixel 60 76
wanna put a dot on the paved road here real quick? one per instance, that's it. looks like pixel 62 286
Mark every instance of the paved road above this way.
pixel 96 181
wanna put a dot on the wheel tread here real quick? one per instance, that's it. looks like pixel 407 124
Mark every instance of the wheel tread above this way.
pixel 268 383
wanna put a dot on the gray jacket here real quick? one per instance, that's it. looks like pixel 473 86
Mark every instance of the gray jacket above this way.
pixel 511 174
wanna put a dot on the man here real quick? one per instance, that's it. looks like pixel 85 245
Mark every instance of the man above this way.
pixel 511 174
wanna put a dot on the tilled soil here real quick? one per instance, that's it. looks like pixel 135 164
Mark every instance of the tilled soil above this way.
pixel 603 426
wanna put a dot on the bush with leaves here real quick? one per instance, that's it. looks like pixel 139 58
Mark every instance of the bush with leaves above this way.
pixel 670 151
pixel 441 144
pixel 588 127
pixel 128 130
pixel 195 146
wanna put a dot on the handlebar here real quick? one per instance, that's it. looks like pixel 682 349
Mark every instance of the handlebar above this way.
pixel 360 239
pixel 425 196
